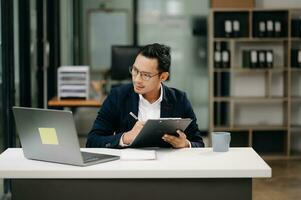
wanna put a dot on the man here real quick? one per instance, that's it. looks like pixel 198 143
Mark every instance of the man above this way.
pixel 147 98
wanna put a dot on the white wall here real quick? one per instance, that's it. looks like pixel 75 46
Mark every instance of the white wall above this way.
pixel 170 22
pixel 94 4
pixel 66 34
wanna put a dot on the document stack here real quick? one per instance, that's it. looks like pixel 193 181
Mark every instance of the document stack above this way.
pixel 73 82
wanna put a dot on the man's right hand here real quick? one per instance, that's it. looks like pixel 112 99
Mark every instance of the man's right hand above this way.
pixel 128 137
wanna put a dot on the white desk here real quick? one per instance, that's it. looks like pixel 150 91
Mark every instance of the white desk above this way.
pixel 176 174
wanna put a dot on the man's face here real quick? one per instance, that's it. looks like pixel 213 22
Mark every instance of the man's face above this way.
pixel 149 67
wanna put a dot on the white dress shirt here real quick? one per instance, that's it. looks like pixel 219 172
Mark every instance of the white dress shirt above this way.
pixel 147 110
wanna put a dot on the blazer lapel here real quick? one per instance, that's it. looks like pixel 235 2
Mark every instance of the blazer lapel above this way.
pixel 134 104
pixel 166 104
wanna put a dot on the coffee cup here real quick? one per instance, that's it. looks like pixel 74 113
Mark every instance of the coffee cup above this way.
pixel 221 141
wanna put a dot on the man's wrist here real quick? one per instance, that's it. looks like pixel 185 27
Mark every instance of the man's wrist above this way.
pixel 121 142
pixel 125 138
pixel 188 144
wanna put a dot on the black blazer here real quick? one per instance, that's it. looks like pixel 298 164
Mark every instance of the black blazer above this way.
pixel 113 118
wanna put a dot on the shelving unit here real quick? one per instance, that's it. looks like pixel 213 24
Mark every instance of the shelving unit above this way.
pixel 261 107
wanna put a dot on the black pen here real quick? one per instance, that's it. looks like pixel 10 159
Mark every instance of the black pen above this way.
pixel 134 116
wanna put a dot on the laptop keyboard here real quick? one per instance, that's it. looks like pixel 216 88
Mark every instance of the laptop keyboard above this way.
pixel 90 157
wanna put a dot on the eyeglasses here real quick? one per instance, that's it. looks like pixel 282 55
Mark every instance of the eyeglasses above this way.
pixel 144 76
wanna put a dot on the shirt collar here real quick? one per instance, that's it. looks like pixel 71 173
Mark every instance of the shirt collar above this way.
pixel 141 98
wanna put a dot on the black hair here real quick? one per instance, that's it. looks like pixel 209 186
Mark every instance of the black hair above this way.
pixel 160 52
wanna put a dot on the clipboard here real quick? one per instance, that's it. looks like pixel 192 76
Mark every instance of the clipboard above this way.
pixel 154 129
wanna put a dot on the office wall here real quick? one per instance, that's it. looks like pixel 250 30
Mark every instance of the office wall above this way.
pixel 66 35
pixel 94 4
pixel 171 22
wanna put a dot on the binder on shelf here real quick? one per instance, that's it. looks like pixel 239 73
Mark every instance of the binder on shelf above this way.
pixel 270 28
pixel 269 58
pixel 221 84
pixel 277 28
pixel 296 28
pixel 231 24
pixel 236 28
pixel 257 59
pixel 226 59
pixel 296 58
pixel 254 59
pixel 225 84
pixel 221 114
pixel 270 23
pixel 217 84
pixel 246 59
pixel 261 59
pixel 217 55
pixel 224 113
pixel 261 31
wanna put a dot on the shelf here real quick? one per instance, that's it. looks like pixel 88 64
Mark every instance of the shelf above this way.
pixel 258 98
pixel 295 154
pixel 264 127
pixel 295 69
pixel 296 99
pixel 295 39
pixel 274 156
pixel 296 127
pixel 250 39
pixel 227 39
pixel 218 99
pixel 251 127
pixel 231 10
pixel 250 9
pixel 221 70
pixel 295 157
pixel 249 70
pixel 251 99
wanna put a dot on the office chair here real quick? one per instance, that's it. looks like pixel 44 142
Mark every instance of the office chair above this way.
pixel 123 56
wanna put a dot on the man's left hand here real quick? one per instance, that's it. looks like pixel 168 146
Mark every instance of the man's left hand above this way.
pixel 177 142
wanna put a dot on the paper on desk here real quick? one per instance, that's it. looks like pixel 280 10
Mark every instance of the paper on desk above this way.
pixel 138 154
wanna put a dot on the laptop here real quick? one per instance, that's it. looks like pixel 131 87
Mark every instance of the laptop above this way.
pixel 50 135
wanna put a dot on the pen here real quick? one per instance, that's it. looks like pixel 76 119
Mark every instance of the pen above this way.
pixel 133 115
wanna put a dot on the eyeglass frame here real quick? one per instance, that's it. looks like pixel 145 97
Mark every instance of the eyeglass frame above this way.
pixel 142 74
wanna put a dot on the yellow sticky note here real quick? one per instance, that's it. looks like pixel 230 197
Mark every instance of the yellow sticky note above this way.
pixel 48 136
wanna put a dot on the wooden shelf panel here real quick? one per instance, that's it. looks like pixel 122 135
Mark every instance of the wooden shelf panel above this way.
pixel 266 128
pixel 249 70
pixel 295 157
pixel 296 127
pixel 250 39
pixel 280 156
pixel 250 99
pixel 295 39
pixel 252 127
pixel 295 154
pixel 296 99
